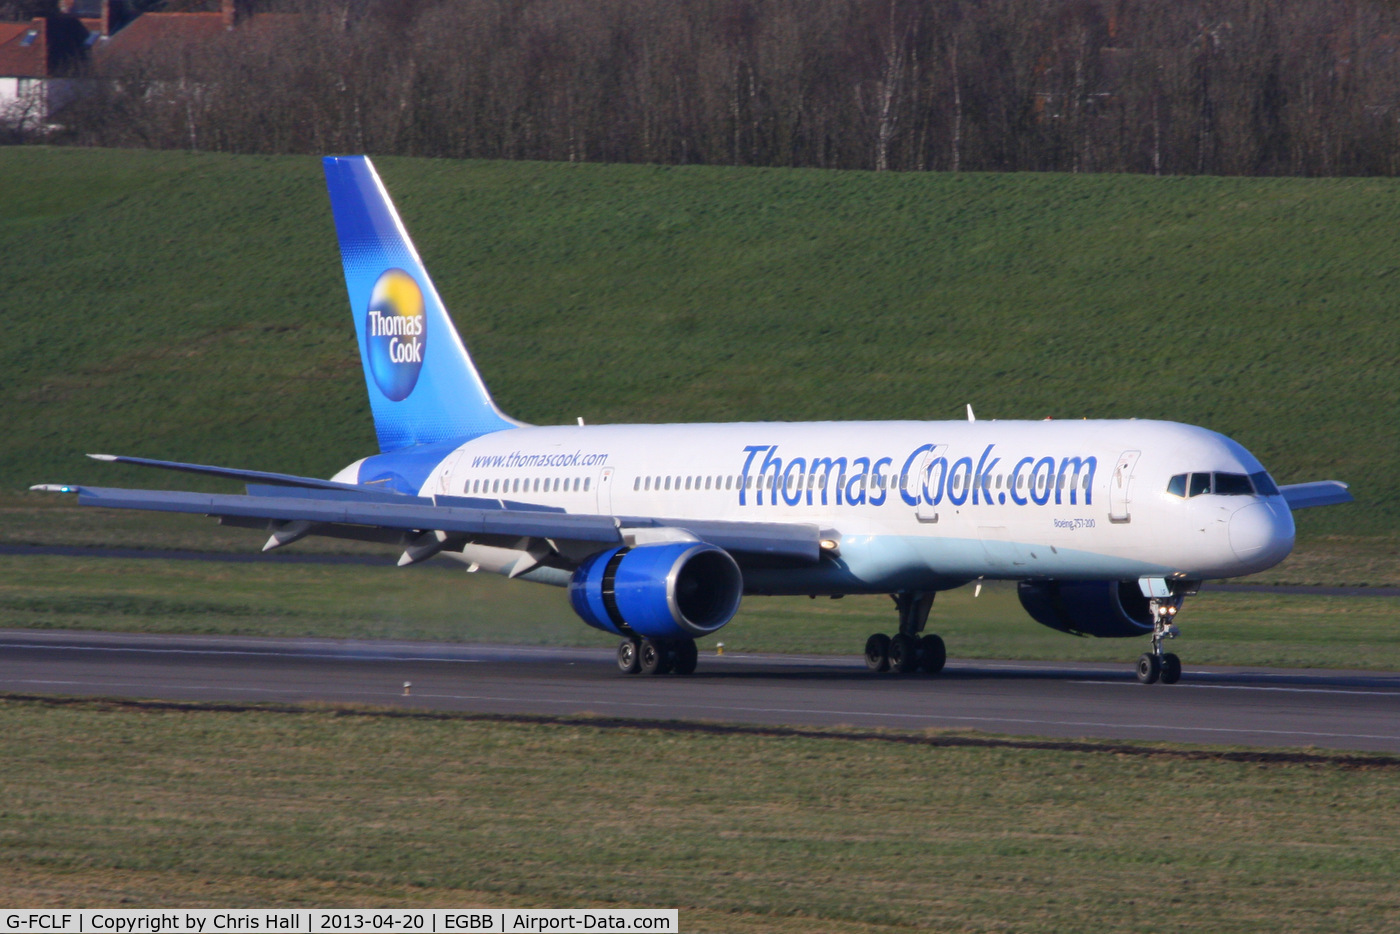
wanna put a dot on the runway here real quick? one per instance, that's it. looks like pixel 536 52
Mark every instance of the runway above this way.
pixel 1252 707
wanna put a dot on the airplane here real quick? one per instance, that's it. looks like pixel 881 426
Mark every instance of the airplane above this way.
pixel 658 531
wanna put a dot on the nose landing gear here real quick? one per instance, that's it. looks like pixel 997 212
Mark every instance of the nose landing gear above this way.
pixel 1157 665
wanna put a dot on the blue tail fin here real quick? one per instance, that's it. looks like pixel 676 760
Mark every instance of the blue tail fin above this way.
pixel 423 387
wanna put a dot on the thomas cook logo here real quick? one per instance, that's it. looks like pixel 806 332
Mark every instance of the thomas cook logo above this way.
pixel 396 333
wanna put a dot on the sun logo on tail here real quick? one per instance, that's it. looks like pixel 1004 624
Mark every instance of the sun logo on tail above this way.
pixel 396 333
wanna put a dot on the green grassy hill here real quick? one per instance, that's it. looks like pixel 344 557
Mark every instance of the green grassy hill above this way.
pixel 191 306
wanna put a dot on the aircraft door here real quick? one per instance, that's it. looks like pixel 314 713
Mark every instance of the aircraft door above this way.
pixel 605 479
pixel 924 510
pixel 1118 498
pixel 450 475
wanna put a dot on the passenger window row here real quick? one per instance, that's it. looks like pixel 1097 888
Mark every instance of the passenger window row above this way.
pixel 816 481
pixel 1222 484
pixel 529 485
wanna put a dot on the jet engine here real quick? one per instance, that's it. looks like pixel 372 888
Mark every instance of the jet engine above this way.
pixel 662 591
pixel 1108 609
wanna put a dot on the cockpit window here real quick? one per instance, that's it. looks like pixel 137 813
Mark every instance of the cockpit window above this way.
pixel 1264 484
pixel 1232 484
pixel 1200 483
pixel 1176 486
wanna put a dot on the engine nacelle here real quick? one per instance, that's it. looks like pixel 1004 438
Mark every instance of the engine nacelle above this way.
pixel 1108 609
pixel 668 590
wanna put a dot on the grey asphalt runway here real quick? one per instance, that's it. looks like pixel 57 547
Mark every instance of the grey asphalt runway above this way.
pixel 1234 706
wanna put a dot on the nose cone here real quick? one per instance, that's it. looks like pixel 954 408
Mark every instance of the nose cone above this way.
pixel 1261 534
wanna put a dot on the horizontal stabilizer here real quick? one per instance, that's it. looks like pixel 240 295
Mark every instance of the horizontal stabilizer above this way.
pixel 1317 493
pixel 231 473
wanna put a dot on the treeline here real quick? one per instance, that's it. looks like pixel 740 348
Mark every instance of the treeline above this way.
pixel 1256 87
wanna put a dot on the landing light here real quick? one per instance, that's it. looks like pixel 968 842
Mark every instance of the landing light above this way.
pixel 828 544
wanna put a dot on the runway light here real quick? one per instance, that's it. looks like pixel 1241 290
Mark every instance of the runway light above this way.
pixel 719 648
pixel 406 686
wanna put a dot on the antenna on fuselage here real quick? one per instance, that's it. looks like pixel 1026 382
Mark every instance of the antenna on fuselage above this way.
pixel 970 416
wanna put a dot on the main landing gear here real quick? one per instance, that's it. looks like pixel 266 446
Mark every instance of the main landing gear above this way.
pixel 906 650
pixel 1157 665
pixel 657 657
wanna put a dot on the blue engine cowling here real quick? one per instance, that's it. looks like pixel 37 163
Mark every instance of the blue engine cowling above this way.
pixel 1107 609
pixel 669 590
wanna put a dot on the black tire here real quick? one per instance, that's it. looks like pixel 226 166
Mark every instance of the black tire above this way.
pixel 933 654
pixel 904 654
pixel 655 658
pixel 1149 668
pixel 629 660
pixel 1171 669
pixel 877 652
pixel 687 655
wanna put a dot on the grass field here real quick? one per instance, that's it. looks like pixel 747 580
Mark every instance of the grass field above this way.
pixel 443 604
pixel 191 306
pixel 743 830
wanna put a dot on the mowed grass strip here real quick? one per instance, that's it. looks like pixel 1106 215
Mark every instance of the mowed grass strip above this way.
pixel 191 306
pixel 740 830
pixel 442 603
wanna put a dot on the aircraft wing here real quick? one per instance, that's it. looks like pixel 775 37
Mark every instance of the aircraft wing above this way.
pixel 388 517
pixel 1317 493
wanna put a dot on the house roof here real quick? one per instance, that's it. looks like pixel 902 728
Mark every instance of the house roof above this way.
pixel 24 49
pixel 153 31
pixel 42 47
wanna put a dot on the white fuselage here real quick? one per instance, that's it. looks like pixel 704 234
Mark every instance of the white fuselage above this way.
pixel 913 505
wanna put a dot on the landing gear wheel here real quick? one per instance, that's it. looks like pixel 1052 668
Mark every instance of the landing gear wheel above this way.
pixel 877 652
pixel 686 657
pixel 933 655
pixel 1171 669
pixel 629 660
pixel 904 654
pixel 656 659
pixel 1149 668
